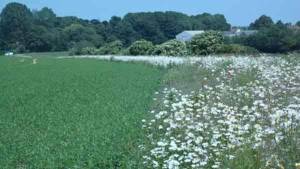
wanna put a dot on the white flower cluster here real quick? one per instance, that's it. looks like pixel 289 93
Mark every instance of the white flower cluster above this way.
pixel 201 129
pixel 208 61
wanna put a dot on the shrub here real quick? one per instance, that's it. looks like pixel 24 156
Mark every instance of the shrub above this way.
pixel 125 51
pixel 171 48
pixel 206 43
pixel 112 48
pixel 274 39
pixel 74 51
pixel 141 47
pixel 17 47
pixel 89 51
pixel 78 47
pixel 236 49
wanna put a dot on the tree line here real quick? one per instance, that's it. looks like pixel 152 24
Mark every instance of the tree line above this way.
pixel 271 37
pixel 25 30
pixel 42 30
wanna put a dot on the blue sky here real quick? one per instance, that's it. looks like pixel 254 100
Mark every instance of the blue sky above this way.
pixel 237 12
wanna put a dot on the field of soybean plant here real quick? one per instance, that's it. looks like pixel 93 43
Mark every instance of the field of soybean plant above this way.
pixel 237 112
pixel 73 113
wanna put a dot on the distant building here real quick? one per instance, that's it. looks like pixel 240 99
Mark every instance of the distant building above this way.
pixel 238 32
pixel 188 35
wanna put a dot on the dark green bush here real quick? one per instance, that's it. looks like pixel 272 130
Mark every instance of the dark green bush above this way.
pixel 78 47
pixel 141 47
pixel 236 49
pixel 111 48
pixel 17 48
pixel 88 49
pixel 275 39
pixel 171 48
pixel 206 43
pixel 125 51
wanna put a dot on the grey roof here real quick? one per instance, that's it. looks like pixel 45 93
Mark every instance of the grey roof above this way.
pixel 193 32
pixel 188 35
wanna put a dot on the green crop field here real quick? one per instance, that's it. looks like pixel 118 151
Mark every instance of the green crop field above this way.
pixel 238 112
pixel 64 113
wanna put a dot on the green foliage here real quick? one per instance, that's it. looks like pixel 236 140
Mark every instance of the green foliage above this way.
pixel 87 48
pixel 76 33
pixel 171 23
pixel 45 17
pixel 141 47
pixel 111 48
pixel 146 26
pixel 15 23
pixel 78 48
pixel 159 27
pixel 63 113
pixel 207 21
pixel 274 39
pixel 171 48
pixel 125 51
pixel 262 22
pixel 1 41
pixel 41 30
pixel 17 47
pixel 118 29
pixel 235 39
pixel 236 49
pixel 297 37
pixel 89 51
pixel 206 43
pixel 41 39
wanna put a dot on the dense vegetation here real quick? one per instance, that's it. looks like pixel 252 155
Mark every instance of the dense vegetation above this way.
pixel 272 37
pixel 141 47
pixel 37 31
pixel 206 43
pixel 210 42
pixel 61 113
pixel 23 30
pixel 171 48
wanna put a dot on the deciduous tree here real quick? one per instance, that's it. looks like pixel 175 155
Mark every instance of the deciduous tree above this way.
pixel 15 23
